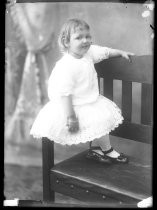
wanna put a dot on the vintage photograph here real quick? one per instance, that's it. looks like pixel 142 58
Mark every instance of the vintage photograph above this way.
pixel 78 103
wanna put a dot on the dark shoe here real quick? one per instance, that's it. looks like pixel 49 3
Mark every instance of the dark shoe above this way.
pixel 97 157
pixel 120 159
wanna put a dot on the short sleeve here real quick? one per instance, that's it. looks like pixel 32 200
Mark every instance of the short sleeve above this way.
pixel 67 82
pixel 61 81
pixel 98 53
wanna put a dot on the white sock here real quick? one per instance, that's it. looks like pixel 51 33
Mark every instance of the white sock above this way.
pixel 98 151
pixel 113 154
pixel 105 145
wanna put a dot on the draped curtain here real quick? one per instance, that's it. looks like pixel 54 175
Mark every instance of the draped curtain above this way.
pixel 34 28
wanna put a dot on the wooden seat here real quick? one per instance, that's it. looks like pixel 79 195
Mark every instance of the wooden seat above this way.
pixel 90 181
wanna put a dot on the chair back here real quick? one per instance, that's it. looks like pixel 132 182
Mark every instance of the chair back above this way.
pixel 140 70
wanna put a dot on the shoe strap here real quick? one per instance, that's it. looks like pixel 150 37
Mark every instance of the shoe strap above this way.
pixel 95 148
pixel 108 151
pixel 90 144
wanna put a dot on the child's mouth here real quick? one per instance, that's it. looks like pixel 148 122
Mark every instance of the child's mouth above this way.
pixel 85 46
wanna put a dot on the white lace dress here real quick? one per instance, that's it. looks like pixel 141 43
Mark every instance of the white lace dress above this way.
pixel 97 114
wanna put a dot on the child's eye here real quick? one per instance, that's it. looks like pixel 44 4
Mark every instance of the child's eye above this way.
pixel 88 37
pixel 78 37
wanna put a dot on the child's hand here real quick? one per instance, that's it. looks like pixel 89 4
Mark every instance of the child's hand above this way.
pixel 127 55
pixel 73 124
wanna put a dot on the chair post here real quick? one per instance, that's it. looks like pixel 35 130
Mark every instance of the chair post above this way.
pixel 47 164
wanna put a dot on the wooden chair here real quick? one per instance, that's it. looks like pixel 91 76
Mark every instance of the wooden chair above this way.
pixel 117 184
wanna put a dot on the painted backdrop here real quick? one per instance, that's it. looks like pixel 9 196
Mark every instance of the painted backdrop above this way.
pixel 32 50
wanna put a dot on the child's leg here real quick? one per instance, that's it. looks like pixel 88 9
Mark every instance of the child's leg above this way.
pixel 104 144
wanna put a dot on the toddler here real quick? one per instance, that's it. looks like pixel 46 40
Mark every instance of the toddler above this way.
pixel 76 112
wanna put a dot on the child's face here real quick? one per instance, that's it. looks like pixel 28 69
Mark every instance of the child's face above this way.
pixel 80 41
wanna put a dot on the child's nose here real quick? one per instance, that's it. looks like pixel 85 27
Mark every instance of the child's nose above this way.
pixel 85 40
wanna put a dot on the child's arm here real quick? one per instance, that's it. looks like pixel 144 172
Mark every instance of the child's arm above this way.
pixel 72 121
pixel 120 53
pixel 67 104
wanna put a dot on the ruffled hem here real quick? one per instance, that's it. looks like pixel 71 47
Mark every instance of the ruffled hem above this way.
pixel 79 140
pixel 95 120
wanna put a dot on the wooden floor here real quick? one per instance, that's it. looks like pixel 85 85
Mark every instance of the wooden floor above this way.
pixel 23 172
pixel 25 183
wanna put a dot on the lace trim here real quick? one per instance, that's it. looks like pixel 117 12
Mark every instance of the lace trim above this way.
pixel 93 124
pixel 85 136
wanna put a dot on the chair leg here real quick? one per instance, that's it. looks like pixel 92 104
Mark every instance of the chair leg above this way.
pixel 47 164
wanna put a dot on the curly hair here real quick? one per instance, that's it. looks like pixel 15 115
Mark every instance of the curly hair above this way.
pixel 69 27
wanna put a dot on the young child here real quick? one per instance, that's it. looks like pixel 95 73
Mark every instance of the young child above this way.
pixel 76 112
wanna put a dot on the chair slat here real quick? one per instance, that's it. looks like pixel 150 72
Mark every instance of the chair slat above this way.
pixel 136 102
pixel 108 87
pixel 139 70
pixel 126 100
pixel 146 108
pixel 133 131
pixel 99 82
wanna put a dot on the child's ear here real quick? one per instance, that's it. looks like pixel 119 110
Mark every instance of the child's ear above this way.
pixel 66 42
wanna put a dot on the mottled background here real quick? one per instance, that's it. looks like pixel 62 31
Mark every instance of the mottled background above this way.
pixel 31 52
